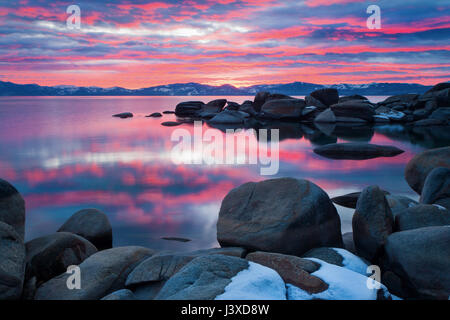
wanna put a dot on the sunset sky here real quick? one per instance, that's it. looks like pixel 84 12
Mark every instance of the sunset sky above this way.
pixel 136 44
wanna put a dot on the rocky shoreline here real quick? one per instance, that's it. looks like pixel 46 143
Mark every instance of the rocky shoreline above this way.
pixel 280 239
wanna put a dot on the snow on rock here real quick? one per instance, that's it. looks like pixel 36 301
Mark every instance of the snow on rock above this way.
pixel 352 262
pixel 255 283
pixel 344 284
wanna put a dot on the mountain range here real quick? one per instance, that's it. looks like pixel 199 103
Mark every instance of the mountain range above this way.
pixel 196 89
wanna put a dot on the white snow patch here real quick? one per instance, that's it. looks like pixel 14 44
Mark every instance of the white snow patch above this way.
pixel 344 284
pixel 255 283
pixel 352 262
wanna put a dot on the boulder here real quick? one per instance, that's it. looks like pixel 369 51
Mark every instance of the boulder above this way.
pixel 260 99
pixel 349 200
pixel 442 114
pixel 356 151
pixel 284 215
pixel 439 87
pixel 123 115
pixel 154 115
pixel 372 223
pixel 12 263
pixel 229 117
pixel 293 270
pixel 436 186
pixel 400 99
pixel 171 123
pixel 101 274
pixel 283 109
pixel 399 203
pixel 204 278
pixel 49 256
pixel 422 164
pixel 420 216
pixel 12 207
pixel 123 294
pixel 420 258
pixel 325 254
pixel 215 105
pixel 163 266
pixel 326 116
pixel 91 224
pixel 352 109
pixel 328 96
pixel 311 101
pixel 247 107
pixel 232 106
pixel 188 108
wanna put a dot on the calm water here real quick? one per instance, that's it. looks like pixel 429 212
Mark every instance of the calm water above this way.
pixel 67 153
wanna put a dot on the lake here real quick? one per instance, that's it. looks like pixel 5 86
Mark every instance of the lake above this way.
pixel 68 153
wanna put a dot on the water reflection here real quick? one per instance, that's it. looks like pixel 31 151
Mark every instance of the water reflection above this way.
pixel 65 154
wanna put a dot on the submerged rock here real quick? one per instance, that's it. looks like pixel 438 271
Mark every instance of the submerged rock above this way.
pixel 229 117
pixel 356 151
pixel 12 207
pixel 285 215
pixel 12 263
pixel 171 123
pixel 91 224
pixel 123 115
pixel 154 115
pixel 422 164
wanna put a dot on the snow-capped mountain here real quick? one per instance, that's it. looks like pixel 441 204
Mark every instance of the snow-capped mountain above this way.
pixel 196 89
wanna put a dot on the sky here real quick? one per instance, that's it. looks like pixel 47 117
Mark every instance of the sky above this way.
pixel 136 44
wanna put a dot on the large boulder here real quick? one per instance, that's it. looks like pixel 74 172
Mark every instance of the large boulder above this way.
pixel 422 164
pixel 12 263
pixel 188 108
pixel 91 224
pixel 356 151
pixel 292 269
pixel 283 109
pixel 222 277
pixel 101 274
pixel 204 278
pixel 354 109
pixel 12 207
pixel 420 216
pixel 327 96
pixel 436 186
pixel 49 256
pixel 372 223
pixel 311 101
pixel 284 215
pixel 215 105
pixel 420 258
